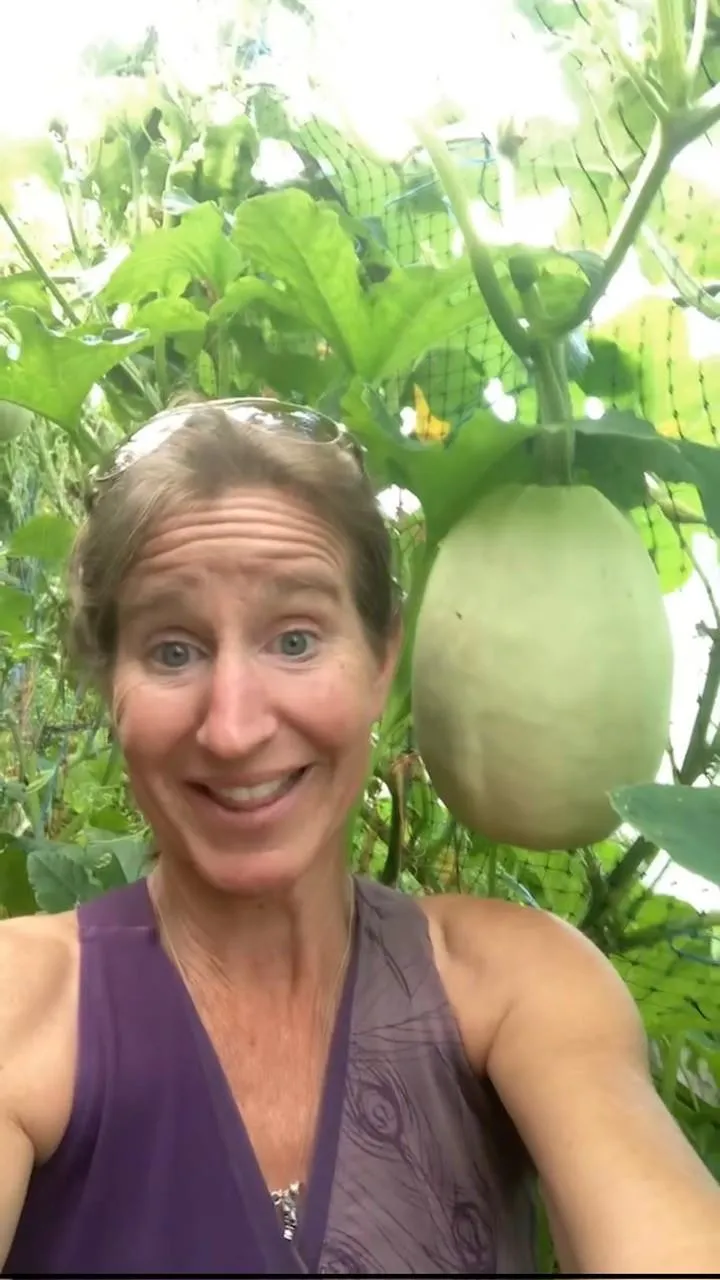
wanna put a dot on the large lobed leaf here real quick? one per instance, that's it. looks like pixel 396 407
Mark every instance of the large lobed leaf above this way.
pixel 684 821
pixel 377 331
pixel 165 262
pixel 55 370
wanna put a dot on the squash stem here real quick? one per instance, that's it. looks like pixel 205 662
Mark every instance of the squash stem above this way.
pixel 555 445
pixel 479 255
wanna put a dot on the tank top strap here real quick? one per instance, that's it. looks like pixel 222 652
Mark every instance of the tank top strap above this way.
pixel 126 907
pixel 430 1176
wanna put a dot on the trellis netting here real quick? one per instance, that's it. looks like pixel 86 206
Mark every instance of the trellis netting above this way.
pixel 556 172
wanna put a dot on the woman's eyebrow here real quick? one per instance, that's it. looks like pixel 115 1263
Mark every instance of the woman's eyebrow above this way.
pixel 304 583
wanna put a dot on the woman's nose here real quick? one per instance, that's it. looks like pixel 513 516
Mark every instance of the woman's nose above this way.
pixel 237 715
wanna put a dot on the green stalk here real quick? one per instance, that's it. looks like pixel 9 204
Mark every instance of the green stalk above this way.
pixel 161 369
pixel 671 1067
pixel 480 259
pixel 647 184
pixel 492 870
pixel 68 311
pixel 696 755
pixel 27 770
pixel 51 476
pixel 33 261
pixel 677 131
pixel 697 120
pixel 697 40
pixel 224 364
pixel 555 447
pixel 672 51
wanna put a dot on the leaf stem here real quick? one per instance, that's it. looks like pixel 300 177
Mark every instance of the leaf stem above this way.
pixel 68 311
pixel 671 135
pixel 672 51
pixel 697 40
pixel 646 186
pixel 33 261
pixel 671 1066
pixel 697 755
pixel 555 446
pixel 697 120
pixel 480 259
pixel 161 369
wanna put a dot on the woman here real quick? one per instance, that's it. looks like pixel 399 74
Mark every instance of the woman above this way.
pixel 251 1062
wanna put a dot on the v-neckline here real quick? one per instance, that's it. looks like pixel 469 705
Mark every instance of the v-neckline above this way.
pixel 301 1255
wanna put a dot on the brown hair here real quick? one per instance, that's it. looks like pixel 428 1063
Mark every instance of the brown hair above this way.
pixel 204 458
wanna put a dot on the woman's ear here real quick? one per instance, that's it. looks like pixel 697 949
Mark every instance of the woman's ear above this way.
pixel 387 665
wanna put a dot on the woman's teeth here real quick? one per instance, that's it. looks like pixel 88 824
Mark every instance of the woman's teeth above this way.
pixel 253 797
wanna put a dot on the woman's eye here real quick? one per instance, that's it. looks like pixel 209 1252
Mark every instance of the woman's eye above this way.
pixel 296 643
pixel 173 654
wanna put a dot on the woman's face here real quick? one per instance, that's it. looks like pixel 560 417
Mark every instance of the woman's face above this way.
pixel 244 689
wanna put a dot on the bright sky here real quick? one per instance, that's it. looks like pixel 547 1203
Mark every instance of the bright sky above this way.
pixel 379 60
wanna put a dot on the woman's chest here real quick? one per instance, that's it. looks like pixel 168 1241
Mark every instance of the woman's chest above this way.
pixel 274 1070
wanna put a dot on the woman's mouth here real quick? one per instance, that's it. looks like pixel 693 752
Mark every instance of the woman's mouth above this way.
pixel 251 799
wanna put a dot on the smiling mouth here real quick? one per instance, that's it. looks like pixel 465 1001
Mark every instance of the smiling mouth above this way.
pixel 250 799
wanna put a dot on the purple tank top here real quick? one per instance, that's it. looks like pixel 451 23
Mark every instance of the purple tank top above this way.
pixel 417 1169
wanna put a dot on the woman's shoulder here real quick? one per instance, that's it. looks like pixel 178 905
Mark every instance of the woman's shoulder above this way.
pixel 474 927
pixel 486 950
pixel 38 955
pixel 39 965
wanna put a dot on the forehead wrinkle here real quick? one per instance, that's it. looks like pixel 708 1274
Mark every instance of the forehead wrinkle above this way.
pixel 186 588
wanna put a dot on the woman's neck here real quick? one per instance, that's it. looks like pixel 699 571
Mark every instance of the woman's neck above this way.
pixel 278 946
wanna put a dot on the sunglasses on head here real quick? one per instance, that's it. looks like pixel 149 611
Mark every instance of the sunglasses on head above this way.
pixel 266 414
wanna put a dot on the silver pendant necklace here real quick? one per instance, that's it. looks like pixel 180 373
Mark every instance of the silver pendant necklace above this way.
pixel 287 1203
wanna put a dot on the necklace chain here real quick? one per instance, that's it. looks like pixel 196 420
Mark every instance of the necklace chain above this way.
pixel 287 1201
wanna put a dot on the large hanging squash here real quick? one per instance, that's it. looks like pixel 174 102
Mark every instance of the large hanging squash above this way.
pixel 542 666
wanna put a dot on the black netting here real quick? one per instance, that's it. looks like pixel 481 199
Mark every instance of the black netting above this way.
pixel 641 357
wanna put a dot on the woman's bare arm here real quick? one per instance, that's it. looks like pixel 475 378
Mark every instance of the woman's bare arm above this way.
pixel 625 1191
pixel 36 976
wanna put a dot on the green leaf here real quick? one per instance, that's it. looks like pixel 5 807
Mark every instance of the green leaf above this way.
pixel 16 895
pixel 377 333
pixel 560 279
pixel 165 262
pixel 646 363
pixel 684 821
pixel 15 609
pixel 673 992
pixel 303 244
pixel 666 545
pixel 25 289
pixel 229 153
pixel 245 293
pixel 611 373
pixel 130 855
pixel 616 452
pixel 165 317
pixel 704 465
pixel 62 876
pixel 680 199
pixel 47 538
pixel 415 309
pixel 55 370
